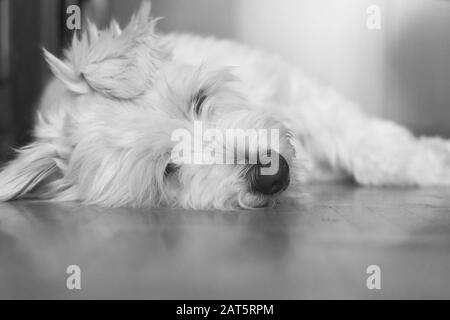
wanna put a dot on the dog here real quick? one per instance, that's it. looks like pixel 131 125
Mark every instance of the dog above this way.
pixel 103 132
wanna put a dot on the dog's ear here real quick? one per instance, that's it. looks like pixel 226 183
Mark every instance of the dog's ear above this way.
pixel 66 73
pixel 116 63
pixel 33 165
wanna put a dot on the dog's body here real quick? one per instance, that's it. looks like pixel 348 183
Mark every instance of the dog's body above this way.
pixel 103 130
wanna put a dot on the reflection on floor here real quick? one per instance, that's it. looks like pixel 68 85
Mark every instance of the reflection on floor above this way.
pixel 319 249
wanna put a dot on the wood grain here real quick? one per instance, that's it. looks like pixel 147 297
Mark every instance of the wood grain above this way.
pixel 319 249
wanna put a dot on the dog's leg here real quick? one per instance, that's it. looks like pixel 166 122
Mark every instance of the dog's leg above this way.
pixel 33 165
pixel 373 151
pixel 379 152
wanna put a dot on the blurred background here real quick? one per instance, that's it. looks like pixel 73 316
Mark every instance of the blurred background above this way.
pixel 401 71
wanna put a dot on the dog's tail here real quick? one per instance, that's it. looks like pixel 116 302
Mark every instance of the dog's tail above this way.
pixel 33 166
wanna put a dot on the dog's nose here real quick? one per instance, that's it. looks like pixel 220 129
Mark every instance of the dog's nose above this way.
pixel 269 183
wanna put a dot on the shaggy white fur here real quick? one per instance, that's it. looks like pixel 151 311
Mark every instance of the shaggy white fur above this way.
pixel 102 134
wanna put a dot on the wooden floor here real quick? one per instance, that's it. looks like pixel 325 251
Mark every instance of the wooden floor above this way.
pixel 320 249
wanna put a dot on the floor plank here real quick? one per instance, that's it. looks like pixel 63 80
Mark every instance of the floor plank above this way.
pixel 318 249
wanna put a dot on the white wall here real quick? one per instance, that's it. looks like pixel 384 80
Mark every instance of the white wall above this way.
pixel 417 64
pixel 401 72
pixel 328 38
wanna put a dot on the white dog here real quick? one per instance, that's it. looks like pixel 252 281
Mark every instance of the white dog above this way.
pixel 103 131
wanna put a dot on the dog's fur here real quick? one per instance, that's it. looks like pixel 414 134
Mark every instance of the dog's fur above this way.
pixel 103 131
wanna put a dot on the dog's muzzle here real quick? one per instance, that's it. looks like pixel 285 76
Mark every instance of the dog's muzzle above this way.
pixel 268 184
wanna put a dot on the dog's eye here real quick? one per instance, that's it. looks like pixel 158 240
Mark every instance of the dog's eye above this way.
pixel 170 168
pixel 197 102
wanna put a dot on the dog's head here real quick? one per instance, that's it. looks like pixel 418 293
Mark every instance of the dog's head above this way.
pixel 140 128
